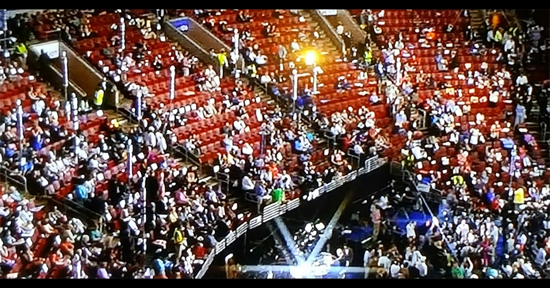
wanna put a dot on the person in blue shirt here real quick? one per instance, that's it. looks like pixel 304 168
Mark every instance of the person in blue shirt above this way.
pixel 81 192
pixel 490 196
pixel 27 166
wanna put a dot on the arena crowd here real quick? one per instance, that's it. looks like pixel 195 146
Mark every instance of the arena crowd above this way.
pixel 476 151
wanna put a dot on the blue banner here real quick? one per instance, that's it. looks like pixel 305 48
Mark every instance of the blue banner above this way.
pixel 181 24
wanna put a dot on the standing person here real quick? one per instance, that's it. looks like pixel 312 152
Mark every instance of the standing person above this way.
pixel 231 268
pixel 367 257
pixel 222 61
pixel 179 242
pixel 21 53
pixel 520 114
pixel 281 53
pixel 376 220
pixel 411 231
pixel 99 94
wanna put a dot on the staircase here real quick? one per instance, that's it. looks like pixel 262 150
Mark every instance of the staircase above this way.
pixel 323 40
pixel 536 129
pixel 477 19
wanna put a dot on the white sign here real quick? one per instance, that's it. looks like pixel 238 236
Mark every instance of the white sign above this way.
pixel 328 12
pixel 51 48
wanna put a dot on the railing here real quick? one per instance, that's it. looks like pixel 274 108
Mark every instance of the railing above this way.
pixel 83 76
pixel 329 30
pixel 358 35
pixel 188 42
pixel 423 121
pixel 84 213
pixel 276 209
pixel 55 77
pixel 86 75
pixel 52 73
pixel 17 180
pixel 187 155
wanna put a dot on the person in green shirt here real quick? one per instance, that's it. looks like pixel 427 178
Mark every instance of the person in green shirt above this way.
pixel 457 272
pixel 277 195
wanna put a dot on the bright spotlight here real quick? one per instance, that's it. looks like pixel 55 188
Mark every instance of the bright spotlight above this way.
pixel 299 272
pixel 311 57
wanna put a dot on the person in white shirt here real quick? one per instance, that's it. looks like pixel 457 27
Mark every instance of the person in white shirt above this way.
pixel 400 119
pixel 462 230
pixel 285 181
pixel 247 184
pixel 239 125
pixel 411 231
pixel 468 267
pixel 366 261
pixel 247 149
pixel 422 267
pixel 340 29
pixel 128 61
pixel 509 45
pixel 212 79
pixel 374 99
pixel 265 79
pixel 261 60
pixel 162 145
pixel 384 262
pixel 527 268
pixel 94 164
pixel 337 130
pixel 150 137
pixel 227 143
pixel 521 80
pixel 395 268
pixel 358 149
pixel 294 46
pixel 209 109
pixel 302 144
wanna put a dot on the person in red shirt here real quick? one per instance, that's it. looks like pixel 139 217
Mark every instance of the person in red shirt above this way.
pixel 199 250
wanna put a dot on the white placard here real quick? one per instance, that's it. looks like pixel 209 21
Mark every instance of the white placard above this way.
pixel 328 12
pixel 50 47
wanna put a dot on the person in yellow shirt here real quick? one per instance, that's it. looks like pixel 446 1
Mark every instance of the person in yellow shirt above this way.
pixel 99 95
pixel 498 37
pixel 21 54
pixel 180 243
pixel 222 61
pixel 519 197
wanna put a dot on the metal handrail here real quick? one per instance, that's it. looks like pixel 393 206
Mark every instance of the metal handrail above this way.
pixel 422 113
pixel 332 34
pixel 79 209
pixel 11 178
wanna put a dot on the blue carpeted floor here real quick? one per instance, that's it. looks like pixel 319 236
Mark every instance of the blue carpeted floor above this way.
pixel 400 220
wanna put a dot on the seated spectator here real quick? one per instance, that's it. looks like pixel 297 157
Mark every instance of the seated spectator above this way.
pixel 243 17
pixel 239 125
